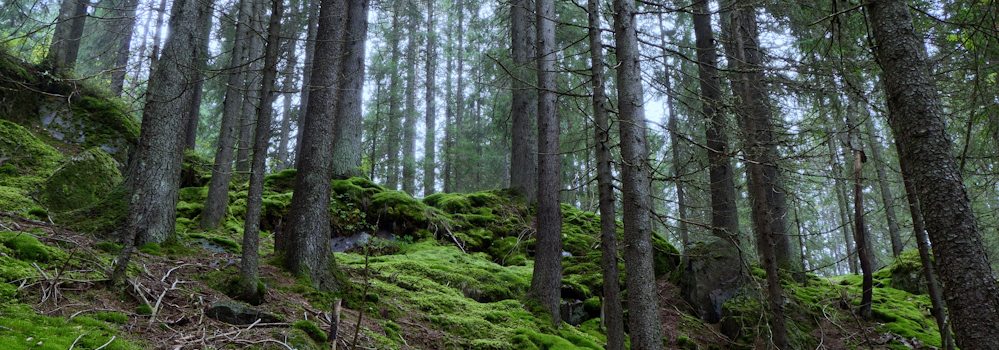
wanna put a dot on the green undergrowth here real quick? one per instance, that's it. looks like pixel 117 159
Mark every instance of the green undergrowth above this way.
pixel 24 329
pixel 465 295
pixel 26 161
pixel 81 181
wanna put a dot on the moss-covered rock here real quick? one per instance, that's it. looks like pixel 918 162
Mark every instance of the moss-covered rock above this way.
pixel 713 274
pixel 281 182
pixel 83 180
pixel 27 161
pixel 14 200
pixel 907 273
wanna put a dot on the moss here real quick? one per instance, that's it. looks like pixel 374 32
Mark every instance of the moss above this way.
pixel 20 322
pixel 38 213
pixel 189 210
pixel 312 330
pixel 33 160
pixel 391 329
pixel 193 194
pixel 27 247
pixel 526 339
pixel 151 249
pixel 684 342
pixel 106 122
pixel 143 310
pixel 109 247
pixel 13 269
pixel 83 180
pixel 103 217
pixel 13 199
pixel 113 317
pixel 283 181
pixel 7 293
pixel 398 212
pixel 665 256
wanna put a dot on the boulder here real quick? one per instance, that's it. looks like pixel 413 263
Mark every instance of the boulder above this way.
pixel 907 273
pixel 235 313
pixel 712 274
pixel 83 180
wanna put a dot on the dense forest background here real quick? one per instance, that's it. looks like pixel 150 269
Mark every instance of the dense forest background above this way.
pixel 774 127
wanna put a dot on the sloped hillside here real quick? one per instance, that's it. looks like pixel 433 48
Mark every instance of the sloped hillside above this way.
pixel 449 271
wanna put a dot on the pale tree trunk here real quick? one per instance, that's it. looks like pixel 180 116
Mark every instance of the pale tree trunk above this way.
pixel 306 242
pixel 916 117
pixel 68 31
pixel 769 206
pixel 897 245
pixel 841 203
pixel 155 171
pixel 154 56
pixel 613 316
pixel 218 187
pixel 430 138
pixel 252 99
pixel 347 138
pixel 933 289
pixel 194 112
pixel 459 96
pixel 546 283
pixel 675 146
pixel 249 267
pixel 394 116
pixel 860 227
pixel 524 107
pixel 643 306
pixel 409 122
pixel 288 86
pixel 126 27
pixel 449 112
pixel 310 54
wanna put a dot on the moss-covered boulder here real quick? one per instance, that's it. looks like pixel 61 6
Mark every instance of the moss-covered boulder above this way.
pixel 83 180
pixel 907 273
pixel 713 274
pixel 25 161
pixel 14 200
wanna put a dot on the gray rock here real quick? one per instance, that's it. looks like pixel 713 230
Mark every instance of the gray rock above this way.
pixel 713 274
pixel 235 313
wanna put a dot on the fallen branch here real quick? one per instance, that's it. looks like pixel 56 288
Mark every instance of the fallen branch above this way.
pixel 71 346
pixel 106 344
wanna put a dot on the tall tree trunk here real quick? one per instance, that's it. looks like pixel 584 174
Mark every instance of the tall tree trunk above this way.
pixel 841 203
pixel 897 245
pixel 252 99
pixel 409 123
pixel 394 117
pixel 917 119
pixel 310 56
pixel 250 264
pixel 524 109
pixel 643 306
pixel 546 283
pixel 613 316
pixel 860 230
pixel 449 113
pixel 923 244
pixel 126 27
pixel 459 96
pixel 769 206
pixel 218 187
pixel 154 56
pixel 194 113
pixel 287 87
pixel 347 140
pixel 675 146
pixel 306 244
pixel 69 30
pixel 155 170
pixel 430 138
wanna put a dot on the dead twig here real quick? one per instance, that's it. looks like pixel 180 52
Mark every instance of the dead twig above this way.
pixel 71 346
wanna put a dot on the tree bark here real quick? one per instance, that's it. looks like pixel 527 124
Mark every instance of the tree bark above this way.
pixel 677 149
pixel 546 283
pixel 65 45
pixel 449 113
pixel 841 203
pixel 643 306
pixel 860 230
pixel 430 138
pixel 916 117
pixel 126 26
pixel 613 316
pixel 310 56
pixel 923 244
pixel 155 171
pixel 307 238
pixel 769 206
pixel 252 99
pixel 897 245
pixel 250 263
pixel 394 116
pixel 194 113
pixel 409 120
pixel 218 187
pixel 524 107
pixel 347 138
pixel 459 96
pixel 283 160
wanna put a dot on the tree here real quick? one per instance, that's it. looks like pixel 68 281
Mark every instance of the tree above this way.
pixel 194 111
pixel 613 316
pixel 409 119
pixel 430 127
pixel 643 306
pixel 897 245
pixel 394 116
pixel 306 244
pixel 861 235
pixel 154 174
pixel 69 29
pixel 524 152
pixel 250 262
pixel 546 283
pixel 251 99
pixel 126 27
pixel 917 119
pixel 347 137
pixel 218 187
pixel 310 54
